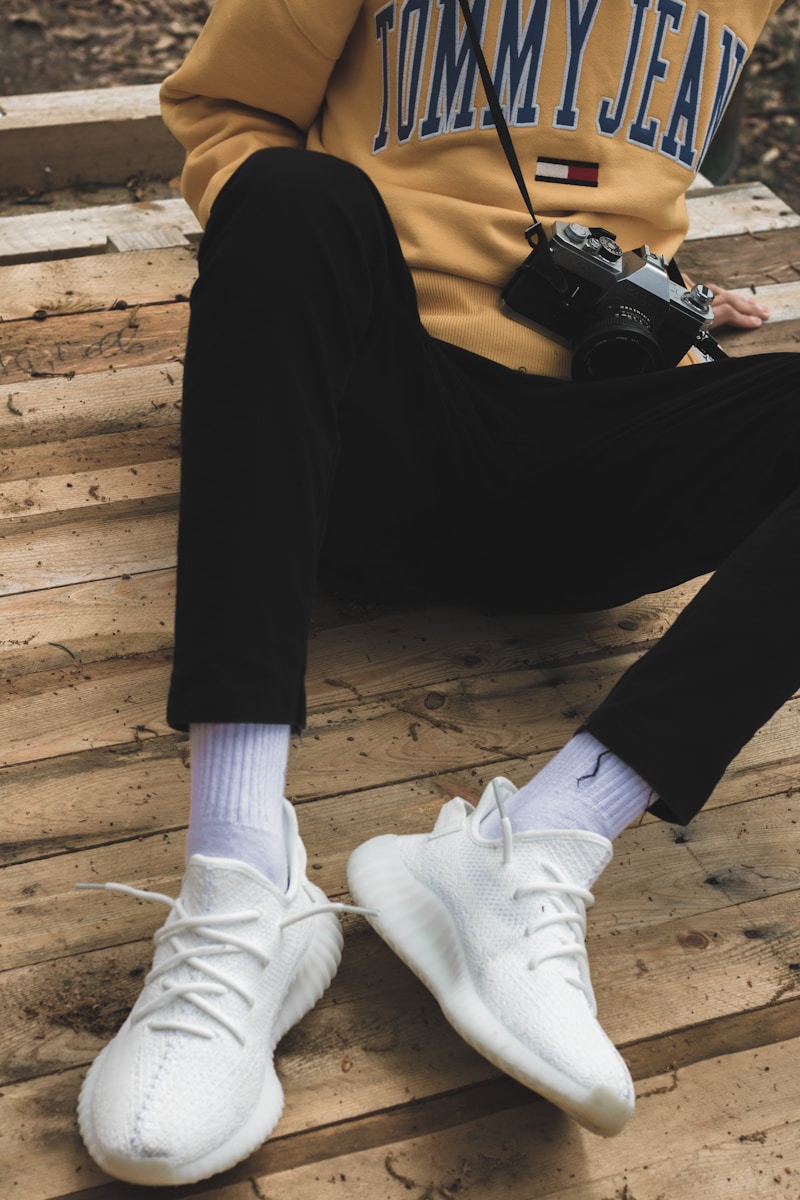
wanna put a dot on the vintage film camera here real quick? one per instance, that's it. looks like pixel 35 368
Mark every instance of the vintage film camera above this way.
pixel 620 312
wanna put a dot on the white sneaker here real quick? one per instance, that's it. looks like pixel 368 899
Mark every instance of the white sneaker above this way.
pixel 187 1087
pixel 495 929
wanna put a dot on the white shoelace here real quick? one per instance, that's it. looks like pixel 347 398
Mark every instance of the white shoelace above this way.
pixel 219 940
pixel 574 918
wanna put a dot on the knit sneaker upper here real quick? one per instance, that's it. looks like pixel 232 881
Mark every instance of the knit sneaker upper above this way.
pixel 237 962
pixel 495 927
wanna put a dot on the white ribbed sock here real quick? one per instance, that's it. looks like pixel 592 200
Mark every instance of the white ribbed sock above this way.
pixel 238 778
pixel 584 787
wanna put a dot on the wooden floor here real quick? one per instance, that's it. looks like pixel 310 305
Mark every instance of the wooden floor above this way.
pixel 695 937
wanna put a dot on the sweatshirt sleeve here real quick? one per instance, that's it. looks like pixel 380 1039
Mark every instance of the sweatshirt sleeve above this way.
pixel 256 77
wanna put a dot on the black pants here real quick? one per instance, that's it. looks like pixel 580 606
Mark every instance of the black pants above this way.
pixel 322 423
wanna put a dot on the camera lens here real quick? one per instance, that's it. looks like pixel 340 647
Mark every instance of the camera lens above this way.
pixel 617 341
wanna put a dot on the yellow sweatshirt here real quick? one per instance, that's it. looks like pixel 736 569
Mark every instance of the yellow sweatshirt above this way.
pixel 611 104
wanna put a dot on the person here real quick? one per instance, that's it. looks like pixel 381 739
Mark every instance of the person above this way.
pixel 358 407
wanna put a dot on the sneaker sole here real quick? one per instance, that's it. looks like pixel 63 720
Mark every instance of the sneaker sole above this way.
pixel 312 978
pixel 418 927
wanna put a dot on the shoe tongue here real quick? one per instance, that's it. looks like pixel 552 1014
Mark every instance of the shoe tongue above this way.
pixel 221 886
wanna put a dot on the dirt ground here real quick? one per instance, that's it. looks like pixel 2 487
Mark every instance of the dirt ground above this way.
pixel 52 45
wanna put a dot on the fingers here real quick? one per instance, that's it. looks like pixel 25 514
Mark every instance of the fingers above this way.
pixel 730 308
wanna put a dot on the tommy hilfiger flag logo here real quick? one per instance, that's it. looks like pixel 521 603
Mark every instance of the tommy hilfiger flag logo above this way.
pixel 567 170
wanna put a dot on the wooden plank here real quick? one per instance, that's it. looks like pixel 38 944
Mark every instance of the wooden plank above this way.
pixel 488 1142
pixel 747 209
pixel 442 643
pixel 772 337
pixel 113 705
pixel 86 623
pixel 40 110
pixel 736 209
pixel 124 543
pixel 489 713
pixel 481 719
pixel 730 955
pixel 61 1013
pixel 53 140
pixel 98 796
pixel 27 1108
pixel 690 971
pixel 119 793
pixel 389 1027
pixel 89 489
pixel 661 961
pixel 146 239
pixel 412 647
pixel 140 336
pixel 62 346
pixel 367 658
pixel 732 1125
pixel 744 260
pixel 38 236
pixel 766 765
pixel 743 853
pixel 99 402
pixel 36 1115
pixel 731 1121
pixel 128 448
pixel 110 134
pixel 74 709
pixel 71 285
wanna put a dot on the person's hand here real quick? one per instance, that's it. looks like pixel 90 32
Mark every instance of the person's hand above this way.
pixel 729 308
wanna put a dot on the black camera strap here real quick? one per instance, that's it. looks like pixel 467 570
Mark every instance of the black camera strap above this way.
pixel 495 108
pixel 534 234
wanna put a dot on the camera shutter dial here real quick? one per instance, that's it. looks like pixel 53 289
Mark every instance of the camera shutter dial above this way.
pixel 608 249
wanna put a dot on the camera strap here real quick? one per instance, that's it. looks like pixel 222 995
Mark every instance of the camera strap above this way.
pixel 534 233
pixel 495 108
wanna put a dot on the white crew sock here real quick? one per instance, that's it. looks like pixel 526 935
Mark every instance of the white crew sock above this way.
pixel 584 787
pixel 238 778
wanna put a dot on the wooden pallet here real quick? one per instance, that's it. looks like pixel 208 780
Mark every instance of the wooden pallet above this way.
pixel 694 940
pixel 57 139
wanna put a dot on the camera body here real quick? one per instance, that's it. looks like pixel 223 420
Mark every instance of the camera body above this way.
pixel 619 310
